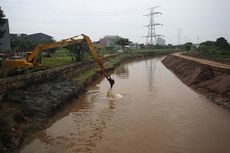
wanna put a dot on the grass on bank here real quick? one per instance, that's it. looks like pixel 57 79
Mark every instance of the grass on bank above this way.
pixel 56 61
pixel 59 58
pixel 62 56
pixel 84 75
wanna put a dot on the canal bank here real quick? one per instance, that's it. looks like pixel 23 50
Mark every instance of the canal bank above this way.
pixel 29 108
pixel 211 80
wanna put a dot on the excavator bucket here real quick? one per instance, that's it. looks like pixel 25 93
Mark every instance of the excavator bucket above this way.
pixel 111 81
pixel 95 55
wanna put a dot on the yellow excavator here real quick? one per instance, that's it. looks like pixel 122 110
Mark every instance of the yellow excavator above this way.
pixel 32 59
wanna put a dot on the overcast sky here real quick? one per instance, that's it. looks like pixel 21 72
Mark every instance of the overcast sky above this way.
pixel 206 19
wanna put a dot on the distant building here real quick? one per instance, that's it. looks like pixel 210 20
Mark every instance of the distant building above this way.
pixel 31 41
pixel 5 40
pixel 160 41
pixel 39 38
pixel 111 40
pixel 33 38
pixel 101 44
pixel 108 41
pixel 13 36
pixel 134 46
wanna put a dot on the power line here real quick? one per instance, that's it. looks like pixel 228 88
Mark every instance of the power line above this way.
pixel 151 36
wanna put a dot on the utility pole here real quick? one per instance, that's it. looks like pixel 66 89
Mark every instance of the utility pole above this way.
pixel 151 37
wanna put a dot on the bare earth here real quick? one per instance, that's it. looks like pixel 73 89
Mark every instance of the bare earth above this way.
pixel 204 61
pixel 204 76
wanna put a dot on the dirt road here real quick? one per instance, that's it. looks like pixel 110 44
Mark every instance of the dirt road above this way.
pixel 204 61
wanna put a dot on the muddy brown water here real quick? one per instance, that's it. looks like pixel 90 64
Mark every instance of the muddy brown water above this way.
pixel 149 110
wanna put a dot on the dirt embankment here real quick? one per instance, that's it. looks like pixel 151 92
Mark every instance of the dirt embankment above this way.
pixel 24 111
pixel 210 81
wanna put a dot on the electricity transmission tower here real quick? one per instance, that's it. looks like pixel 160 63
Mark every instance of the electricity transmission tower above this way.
pixel 152 36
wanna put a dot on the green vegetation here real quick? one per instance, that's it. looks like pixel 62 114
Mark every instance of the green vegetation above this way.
pixel 109 50
pixel 22 43
pixel 59 58
pixel 218 47
pixel 64 56
pixel 188 46
pixel 151 50
pixel 78 51
pixel 68 55
pixel 218 50
pixel 214 57
pixel 56 61
pixel 84 75
pixel 112 62
pixel 123 42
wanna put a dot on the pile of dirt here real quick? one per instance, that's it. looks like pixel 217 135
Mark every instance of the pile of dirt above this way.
pixel 211 81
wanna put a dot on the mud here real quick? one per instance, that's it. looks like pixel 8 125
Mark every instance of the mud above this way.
pixel 210 81
pixel 44 99
pixel 23 111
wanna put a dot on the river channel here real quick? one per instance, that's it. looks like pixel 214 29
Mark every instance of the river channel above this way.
pixel 149 110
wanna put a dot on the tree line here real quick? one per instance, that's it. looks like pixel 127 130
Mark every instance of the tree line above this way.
pixel 2 22
pixel 220 46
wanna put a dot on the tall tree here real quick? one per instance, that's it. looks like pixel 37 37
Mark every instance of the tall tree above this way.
pixel 222 44
pixel 123 42
pixel 188 46
pixel 20 42
pixel 76 52
pixel 2 22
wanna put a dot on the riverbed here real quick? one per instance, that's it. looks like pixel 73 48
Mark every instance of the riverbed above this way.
pixel 149 110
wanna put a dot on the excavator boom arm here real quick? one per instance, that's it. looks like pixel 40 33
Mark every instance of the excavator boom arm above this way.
pixel 41 47
pixel 96 57
pixel 94 52
pixel 70 41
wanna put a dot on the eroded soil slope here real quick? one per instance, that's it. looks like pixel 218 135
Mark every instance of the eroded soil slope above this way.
pixel 211 81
